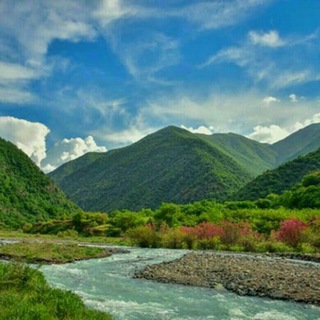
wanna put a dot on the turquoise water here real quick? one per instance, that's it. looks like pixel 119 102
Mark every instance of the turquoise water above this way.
pixel 106 284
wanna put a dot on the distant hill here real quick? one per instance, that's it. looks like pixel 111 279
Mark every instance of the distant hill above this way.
pixel 253 156
pixel 299 143
pixel 171 165
pixel 280 179
pixel 26 193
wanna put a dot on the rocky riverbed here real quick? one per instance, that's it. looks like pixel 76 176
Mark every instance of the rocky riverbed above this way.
pixel 253 275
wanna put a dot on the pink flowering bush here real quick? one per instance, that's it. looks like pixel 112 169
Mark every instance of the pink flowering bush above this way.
pixel 204 230
pixel 291 232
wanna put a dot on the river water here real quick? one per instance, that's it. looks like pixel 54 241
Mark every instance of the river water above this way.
pixel 106 284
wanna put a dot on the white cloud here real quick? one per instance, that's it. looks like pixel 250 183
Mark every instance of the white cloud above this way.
pixel 293 97
pixel 219 14
pixel 69 149
pixel 274 133
pixel 30 137
pixel 301 124
pixel 200 129
pixel 34 25
pixel 268 39
pixel 146 56
pixel 268 134
pixel 269 100
pixel 16 95
pixel 254 57
pixel 125 137
pixel 112 10
pixel 14 72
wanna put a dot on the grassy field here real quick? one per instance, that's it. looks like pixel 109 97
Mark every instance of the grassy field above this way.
pixel 44 252
pixel 24 294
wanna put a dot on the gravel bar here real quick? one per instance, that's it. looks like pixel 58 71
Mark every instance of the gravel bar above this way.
pixel 244 274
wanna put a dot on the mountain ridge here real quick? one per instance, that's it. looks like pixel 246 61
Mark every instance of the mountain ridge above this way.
pixel 163 167
pixel 173 165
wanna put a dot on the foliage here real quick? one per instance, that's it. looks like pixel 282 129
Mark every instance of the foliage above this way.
pixel 290 235
pixel 291 232
pixel 24 294
pixel 282 178
pixel 27 195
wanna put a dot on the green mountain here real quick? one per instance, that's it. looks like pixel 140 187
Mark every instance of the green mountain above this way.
pixel 171 165
pixel 299 143
pixel 174 165
pixel 280 179
pixel 252 156
pixel 26 193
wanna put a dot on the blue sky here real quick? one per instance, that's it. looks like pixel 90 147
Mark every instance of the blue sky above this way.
pixel 79 76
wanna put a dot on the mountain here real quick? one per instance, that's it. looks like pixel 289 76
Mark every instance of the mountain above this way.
pixel 171 165
pixel 174 165
pixel 253 156
pixel 299 143
pixel 280 179
pixel 26 193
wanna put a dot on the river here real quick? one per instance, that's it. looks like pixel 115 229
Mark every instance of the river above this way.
pixel 106 284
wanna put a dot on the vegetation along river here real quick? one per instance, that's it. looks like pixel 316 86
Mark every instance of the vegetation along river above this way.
pixel 107 284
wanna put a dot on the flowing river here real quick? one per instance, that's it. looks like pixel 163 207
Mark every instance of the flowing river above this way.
pixel 106 284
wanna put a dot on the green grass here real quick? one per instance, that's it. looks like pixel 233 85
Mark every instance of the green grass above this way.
pixel 11 234
pixel 24 294
pixel 44 252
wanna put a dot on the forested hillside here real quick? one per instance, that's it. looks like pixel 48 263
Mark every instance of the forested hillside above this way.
pixel 280 179
pixel 175 165
pixel 253 156
pixel 27 195
pixel 171 165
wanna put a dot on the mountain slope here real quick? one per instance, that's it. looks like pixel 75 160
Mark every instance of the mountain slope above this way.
pixel 171 165
pixel 253 156
pixel 280 179
pixel 26 193
pixel 299 143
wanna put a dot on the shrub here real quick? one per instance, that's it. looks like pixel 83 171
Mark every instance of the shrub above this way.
pixel 204 230
pixel 173 239
pixel 144 236
pixel 291 232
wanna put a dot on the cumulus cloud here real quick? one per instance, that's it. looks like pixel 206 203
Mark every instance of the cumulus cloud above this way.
pixel 28 136
pixel 301 124
pixel 200 129
pixel 268 134
pixel 268 39
pixel 69 149
pixel 273 132
pixel 269 100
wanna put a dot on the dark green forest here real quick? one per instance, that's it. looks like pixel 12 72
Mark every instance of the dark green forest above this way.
pixel 27 195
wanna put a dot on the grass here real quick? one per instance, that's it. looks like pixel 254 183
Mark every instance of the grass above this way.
pixel 44 252
pixel 10 234
pixel 24 294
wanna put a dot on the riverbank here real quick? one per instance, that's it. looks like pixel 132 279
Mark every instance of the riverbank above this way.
pixel 244 274
pixel 53 253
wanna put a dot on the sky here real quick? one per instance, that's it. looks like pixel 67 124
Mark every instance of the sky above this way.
pixel 79 75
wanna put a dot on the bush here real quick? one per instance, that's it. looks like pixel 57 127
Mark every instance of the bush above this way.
pixel 291 232
pixel 144 236
pixel 174 239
